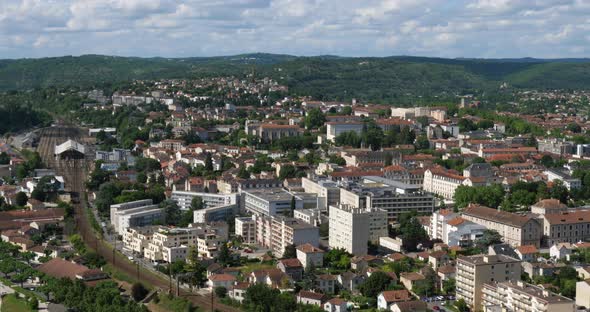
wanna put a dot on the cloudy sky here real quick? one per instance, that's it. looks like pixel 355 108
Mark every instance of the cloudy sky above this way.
pixel 174 28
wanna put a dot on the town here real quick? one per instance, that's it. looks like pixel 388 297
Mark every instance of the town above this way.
pixel 227 194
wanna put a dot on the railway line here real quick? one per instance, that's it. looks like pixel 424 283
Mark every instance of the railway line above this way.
pixel 75 172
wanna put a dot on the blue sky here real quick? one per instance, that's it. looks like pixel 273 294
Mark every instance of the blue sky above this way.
pixel 171 28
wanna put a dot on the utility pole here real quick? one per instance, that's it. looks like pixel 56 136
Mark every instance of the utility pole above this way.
pixel 170 278
pixel 137 270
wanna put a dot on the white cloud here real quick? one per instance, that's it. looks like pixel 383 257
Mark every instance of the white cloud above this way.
pixel 471 28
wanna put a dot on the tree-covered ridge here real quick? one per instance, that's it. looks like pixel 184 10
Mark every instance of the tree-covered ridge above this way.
pixel 387 79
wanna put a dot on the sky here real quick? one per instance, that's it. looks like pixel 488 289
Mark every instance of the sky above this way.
pixel 171 28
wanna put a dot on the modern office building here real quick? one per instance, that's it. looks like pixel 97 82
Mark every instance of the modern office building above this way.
pixel 352 228
pixel 392 196
pixel 134 214
pixel 270 202
pixel 184 199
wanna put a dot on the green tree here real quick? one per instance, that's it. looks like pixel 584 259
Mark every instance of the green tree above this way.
pixel 375 284
pixel 4 159
pixel 413 233
pixel 208 163
pixel 489 237
pixel 21 199
pixel 220 291
pixel 461 305
pixel 290 252
pixel 314 118
pixel 138 291
pixel 197 203
pixel 287 172
pixel 224 255
pixel 172 213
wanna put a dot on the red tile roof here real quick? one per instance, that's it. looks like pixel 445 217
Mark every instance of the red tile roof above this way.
pixel 396 295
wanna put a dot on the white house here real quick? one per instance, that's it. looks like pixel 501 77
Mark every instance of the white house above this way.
pixel 307 254
pixel 221 280
pixel 336 305
pixel 560 250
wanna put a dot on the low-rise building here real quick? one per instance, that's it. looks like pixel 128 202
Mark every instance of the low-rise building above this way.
pixel 310 255
pixel 270 202
pixel 566 227
pixel 515 229
pixel 135 214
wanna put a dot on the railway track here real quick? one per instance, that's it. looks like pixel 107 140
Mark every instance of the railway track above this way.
pixel 75 172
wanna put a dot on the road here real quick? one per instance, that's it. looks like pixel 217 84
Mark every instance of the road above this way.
pixel 75 172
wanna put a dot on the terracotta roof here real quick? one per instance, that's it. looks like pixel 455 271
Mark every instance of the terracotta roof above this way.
pixel 274 126
pixel 327 277
pixel 222 278
pixel 291 263
pixel 396 295
pixel 581 216
pixel 438 254
pixel 456 221
pixel 412 276
pixel 336 301
pixel 308 248
pixel 445 212
pixel 396 256
pixel 414 305
pixel 550 203
pixel 60 268
pixel 494 215
pixel 527 249
pixel 311 295
pixel 446 269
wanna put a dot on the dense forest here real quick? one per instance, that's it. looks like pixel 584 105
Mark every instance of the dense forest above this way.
pixel 388 79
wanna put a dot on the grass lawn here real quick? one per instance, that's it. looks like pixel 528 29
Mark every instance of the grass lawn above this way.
pixel 10 303
pixel 173 305
pixel 255 266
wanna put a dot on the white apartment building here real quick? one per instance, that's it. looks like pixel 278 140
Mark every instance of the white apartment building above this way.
pixel 442 182
pixel 277 232
pixel 211 214
pixel 270 201
pixel 171 244
pixel 137 239
pixel 311 216
pixel 245 228
pixel 438 223
pixel 335 128
pixel 184 199
pixel 474 271
pixel 325 189
pixel 135 214
pixel 391 196
pixel 352 228
pixel 460 232
pixel 520 296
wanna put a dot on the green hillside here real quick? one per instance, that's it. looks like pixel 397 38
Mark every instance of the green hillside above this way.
pixel 324 77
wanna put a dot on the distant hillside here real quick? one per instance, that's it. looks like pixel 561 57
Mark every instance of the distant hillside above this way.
pixel 324 77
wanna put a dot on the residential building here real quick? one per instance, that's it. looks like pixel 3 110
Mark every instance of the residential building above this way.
pixel 583 294
pixel 461 232
pixel 568 181
pixel 184 199
pixel 566 227
pixel 351 228
pixel 438 223
pixel 311 216
pixel 136 239
pixel 548 206
pixel 474 271
pixel 278 232
pixel 310 255
pixel 336 305
pixel 245 228
pixel 211 214
pixel 394 197
pixel 387 298
pixel 516 230
pixel 135 214
pixel 270 202
pixel 519 296
pixel 311 298
pixel 292 267
pixel 442 182
pixel 328 191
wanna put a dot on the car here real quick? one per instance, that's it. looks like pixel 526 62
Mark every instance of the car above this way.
pixel 436 308
pixel 440 298
pixel 130 258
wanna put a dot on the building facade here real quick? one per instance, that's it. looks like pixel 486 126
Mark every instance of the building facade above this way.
pixel 352 228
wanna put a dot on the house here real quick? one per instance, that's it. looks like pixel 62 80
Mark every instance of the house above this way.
pixel 410 279
pixel 336 305
pixel 438 258
pixel 238 291
pixel 561 250
pixel 387 298
pixel 527 252
pixel 60 268
pixel 310 297
pixel 409 306
pixel 349 281
pixel 273 278
pixel 213 268
pixel 326 283
pixel 221 280
pixel 291 267
pixel 360 263
pixel 446 272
